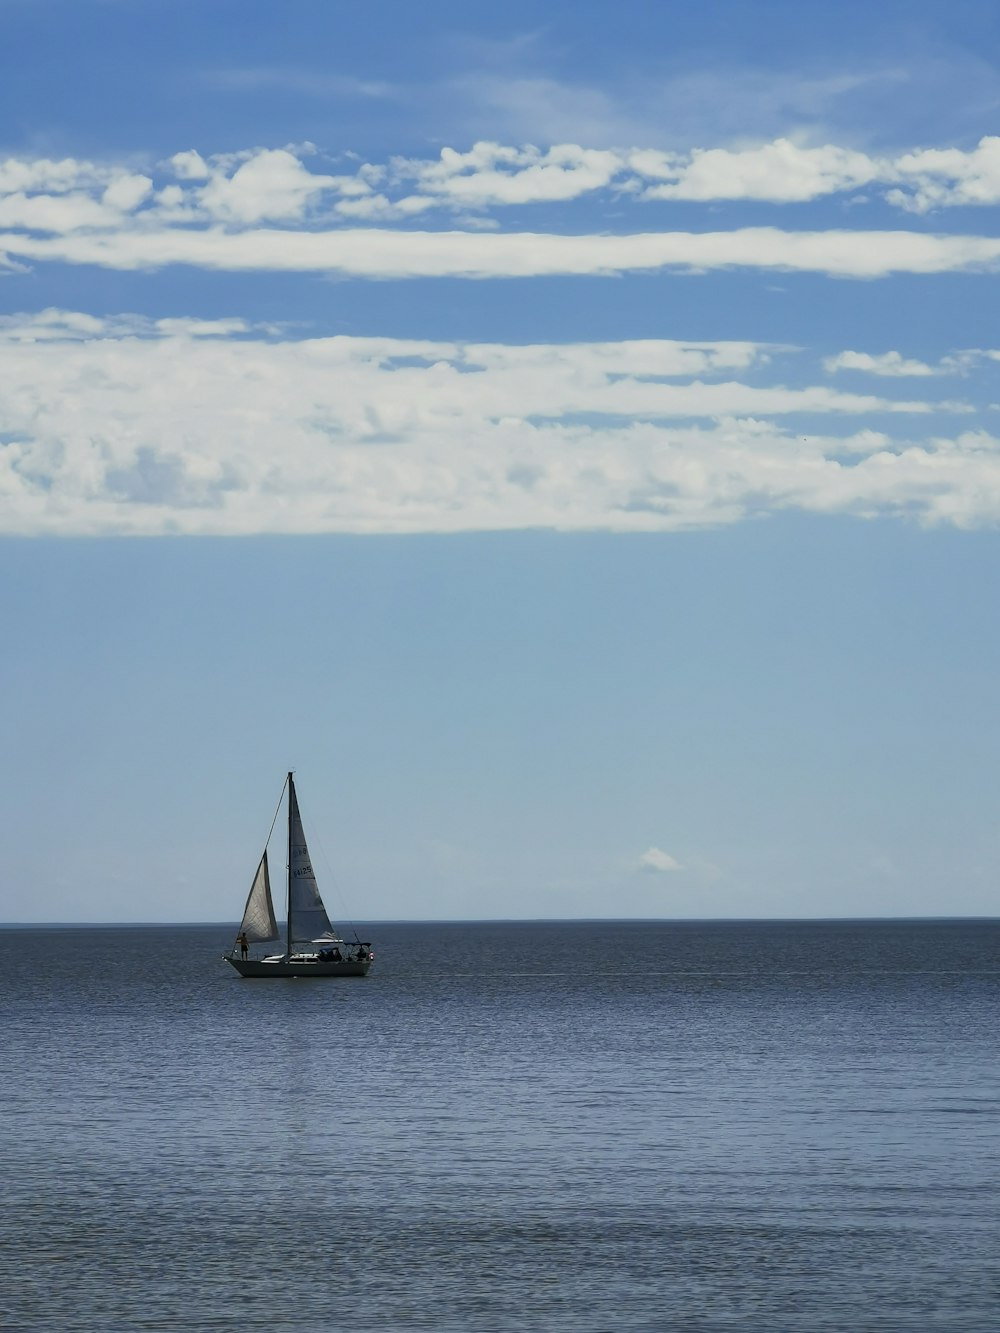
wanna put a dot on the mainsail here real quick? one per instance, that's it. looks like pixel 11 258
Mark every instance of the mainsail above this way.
pixel 258 916
pixel 307 918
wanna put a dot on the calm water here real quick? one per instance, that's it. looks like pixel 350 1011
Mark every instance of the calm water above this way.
pixel 762 1127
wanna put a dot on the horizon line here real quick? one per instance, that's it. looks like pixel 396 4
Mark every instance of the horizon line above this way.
pixel 544 920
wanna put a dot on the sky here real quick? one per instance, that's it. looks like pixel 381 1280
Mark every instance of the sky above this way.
pixel 565 434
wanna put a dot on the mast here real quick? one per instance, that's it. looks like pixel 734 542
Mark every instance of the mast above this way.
pixel 288 871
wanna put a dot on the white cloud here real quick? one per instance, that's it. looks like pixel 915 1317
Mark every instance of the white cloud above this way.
pixel 42 175
pixel 658 862
pixel 781 172
pixel 190 166
pixel 377 207
pixel 138 426
pixel 264 208
pixel 56 212
pixel 887 363
pixel 271 186
pixel 58 325
pixel 67 195
pixel 263 186
pixel 201 328
pixel 493 174
pixel 380 252
pixel 127 192
pixel 53 325
pixel 245 189
pixel 778 171
pixel 939 178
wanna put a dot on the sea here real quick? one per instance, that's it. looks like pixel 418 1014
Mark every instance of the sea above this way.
pixel 692 1127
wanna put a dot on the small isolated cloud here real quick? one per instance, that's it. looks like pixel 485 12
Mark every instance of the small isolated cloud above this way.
pixel 658 862
pixel 884 867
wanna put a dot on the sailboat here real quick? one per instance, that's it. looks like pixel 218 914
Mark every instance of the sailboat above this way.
pixel 312 946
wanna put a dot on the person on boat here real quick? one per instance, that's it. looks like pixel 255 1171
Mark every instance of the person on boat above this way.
pixel 244 944
pixel 338 957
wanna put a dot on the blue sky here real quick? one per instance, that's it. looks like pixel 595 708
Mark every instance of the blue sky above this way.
pixel 567 435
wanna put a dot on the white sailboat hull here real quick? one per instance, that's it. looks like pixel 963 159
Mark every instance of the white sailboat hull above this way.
pixel 297 967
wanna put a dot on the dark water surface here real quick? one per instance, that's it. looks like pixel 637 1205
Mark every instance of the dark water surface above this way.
pixel 753 1126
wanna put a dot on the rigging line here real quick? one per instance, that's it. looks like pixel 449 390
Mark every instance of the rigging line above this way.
pixel 277 812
